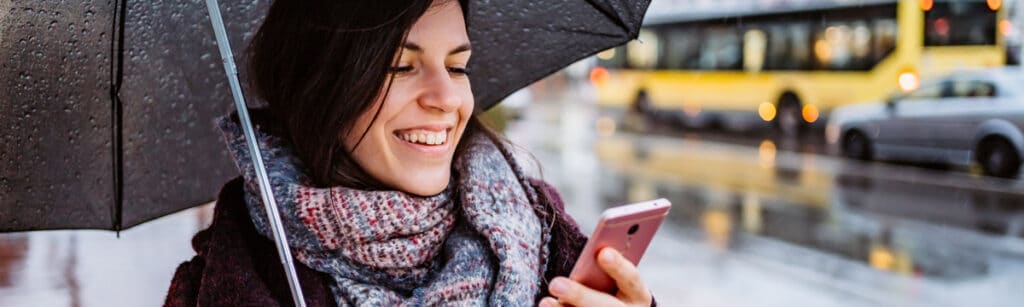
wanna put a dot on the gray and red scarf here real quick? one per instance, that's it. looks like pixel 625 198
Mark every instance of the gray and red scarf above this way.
pixel 478 242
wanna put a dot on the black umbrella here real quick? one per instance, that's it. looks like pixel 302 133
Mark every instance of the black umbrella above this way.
pixel 107 106
pixel 73 157
pixel 518 42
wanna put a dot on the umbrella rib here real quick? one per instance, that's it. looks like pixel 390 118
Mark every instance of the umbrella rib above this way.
pixel 117 111
pixel 612 15
pixel 571 30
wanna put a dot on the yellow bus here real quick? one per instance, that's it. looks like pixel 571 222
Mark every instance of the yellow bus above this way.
pixel 789 68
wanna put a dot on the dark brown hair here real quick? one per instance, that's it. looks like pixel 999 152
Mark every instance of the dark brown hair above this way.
pixel 319 65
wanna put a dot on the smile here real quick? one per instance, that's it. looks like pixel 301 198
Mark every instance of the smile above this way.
pixel 424 136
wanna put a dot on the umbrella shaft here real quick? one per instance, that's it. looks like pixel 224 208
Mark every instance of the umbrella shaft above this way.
pixel 243 115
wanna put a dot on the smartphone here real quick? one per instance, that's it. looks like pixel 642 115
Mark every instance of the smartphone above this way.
pixel 628 229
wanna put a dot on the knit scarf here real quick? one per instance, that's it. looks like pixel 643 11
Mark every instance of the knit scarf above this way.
pixel 478 242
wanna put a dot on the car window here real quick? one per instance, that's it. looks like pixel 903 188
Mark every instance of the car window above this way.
pixel 926 92
pixel 972 88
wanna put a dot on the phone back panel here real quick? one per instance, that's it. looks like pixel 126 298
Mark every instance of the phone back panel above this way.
pixel 613 230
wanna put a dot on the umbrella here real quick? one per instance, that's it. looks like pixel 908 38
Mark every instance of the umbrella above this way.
pixel 107 106
pixel 518 42
pixel 67 159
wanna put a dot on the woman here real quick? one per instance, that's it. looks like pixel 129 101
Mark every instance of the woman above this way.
pixel 391 191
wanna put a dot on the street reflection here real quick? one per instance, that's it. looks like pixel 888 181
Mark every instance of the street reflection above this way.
pixel 97 268
pixel 932 226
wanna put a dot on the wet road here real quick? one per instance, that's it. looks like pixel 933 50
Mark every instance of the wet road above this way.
pixel 759 223
pixel 754 223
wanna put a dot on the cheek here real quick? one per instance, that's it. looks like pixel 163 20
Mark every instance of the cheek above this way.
pixel 366 122
pixel 361 125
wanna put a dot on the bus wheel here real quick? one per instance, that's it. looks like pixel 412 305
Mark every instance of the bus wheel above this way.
pixel 856 145
pixel 998 157
pixel 642 102
pixel 789 120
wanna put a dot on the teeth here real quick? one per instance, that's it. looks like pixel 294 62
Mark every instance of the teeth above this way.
pixel 428 138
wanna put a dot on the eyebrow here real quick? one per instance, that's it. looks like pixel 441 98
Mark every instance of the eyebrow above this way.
pixel 416 48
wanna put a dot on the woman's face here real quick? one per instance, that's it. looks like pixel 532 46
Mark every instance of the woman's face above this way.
pixel 410 146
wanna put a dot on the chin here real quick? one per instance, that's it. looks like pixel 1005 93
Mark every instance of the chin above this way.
pixel 425 185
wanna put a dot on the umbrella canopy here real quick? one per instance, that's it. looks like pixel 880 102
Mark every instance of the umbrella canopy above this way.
pixel 73 156
pixel 516 43
pixel 58 150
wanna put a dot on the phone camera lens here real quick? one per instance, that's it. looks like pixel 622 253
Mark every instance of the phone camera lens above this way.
pixel 633 229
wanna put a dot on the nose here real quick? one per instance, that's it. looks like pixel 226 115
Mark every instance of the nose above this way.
pixel 441 92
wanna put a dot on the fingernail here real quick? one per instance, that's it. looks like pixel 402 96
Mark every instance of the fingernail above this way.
pixel 607 256
pixel 558 287
pixel 545 303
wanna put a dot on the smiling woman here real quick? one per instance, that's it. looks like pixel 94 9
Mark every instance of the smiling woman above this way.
pixel 391 191
pixel 410 142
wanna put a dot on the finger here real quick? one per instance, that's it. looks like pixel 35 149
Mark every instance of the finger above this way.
pixel 625 274
pixel 573 293
pixel 549 302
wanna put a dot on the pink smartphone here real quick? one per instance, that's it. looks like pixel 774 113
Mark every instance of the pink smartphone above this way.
pixel 628 229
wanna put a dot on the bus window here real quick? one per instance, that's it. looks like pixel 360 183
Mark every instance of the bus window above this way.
pixel 883 38
pixel 788 47
pixel 681 48
pixel 960 23
pixel 754 42
pixel 832 46
pixel 721 50
pixel 854 45
pixel 860 44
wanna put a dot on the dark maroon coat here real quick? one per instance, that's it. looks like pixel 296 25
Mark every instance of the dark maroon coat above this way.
pixel 236 266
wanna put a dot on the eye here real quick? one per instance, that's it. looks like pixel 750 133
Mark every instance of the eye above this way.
pixel 400 69
pixel 458 71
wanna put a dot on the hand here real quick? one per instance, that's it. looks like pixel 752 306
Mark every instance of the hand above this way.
pixel 632 291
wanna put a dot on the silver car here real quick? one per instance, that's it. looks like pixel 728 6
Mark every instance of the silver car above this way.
pixel 967 117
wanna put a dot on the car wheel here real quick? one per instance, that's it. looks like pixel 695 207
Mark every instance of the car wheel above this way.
pixel 999 158
pixel 789 120
pixel 856 145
